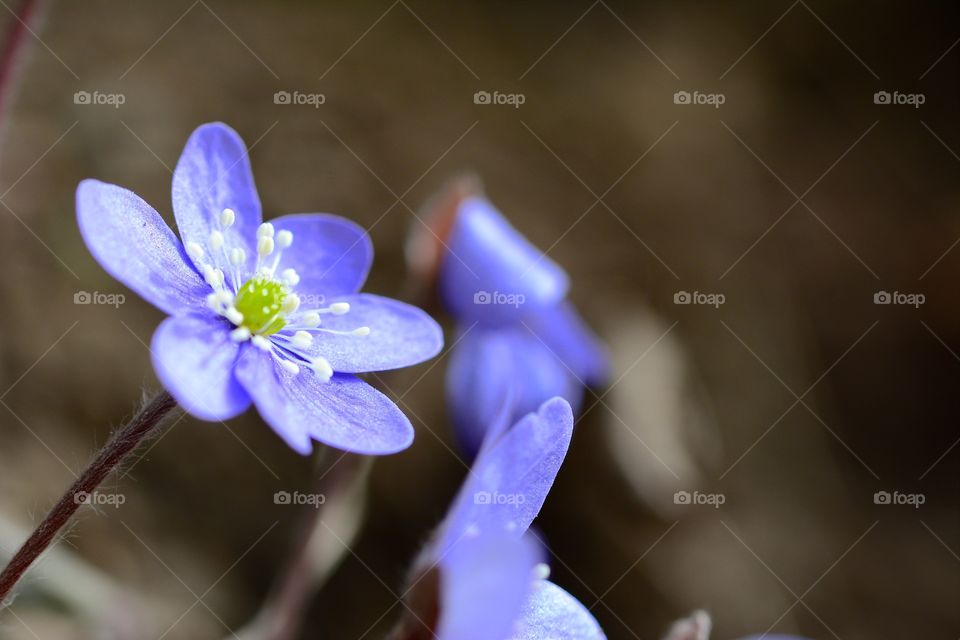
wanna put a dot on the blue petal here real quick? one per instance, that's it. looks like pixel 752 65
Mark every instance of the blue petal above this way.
pixel 550 613
pixel 345 413
pixel 194 357
pixel 487 363
pixel 131 241
pixel 509 482
pixel 400 335
pixel 566 334
pixel 484 582
pixel 332 255
pixel 491 272
pixel 214 174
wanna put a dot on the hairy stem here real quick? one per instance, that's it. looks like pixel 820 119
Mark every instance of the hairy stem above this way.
pixel 120 445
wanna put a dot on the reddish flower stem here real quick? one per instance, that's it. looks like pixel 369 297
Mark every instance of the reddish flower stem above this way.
pixel 120 445
pixel 13 48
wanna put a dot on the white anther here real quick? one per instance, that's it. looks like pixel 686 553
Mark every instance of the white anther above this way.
pixel 322 368
pixel 214 277
pixel 291 303
pixel 361 332
pixel 541 571
pixel 311 319
pixel 237 256
pixel 284 238
pixel 219 300
pixel 301 339
pixel 265 230
pixel 290 367
pixel 240 334
pixel 216 240
pixel 233 315
pixel 339 308
pixel 194 250
pixel 265 246
pixel 227 217
pixel 290 277
pixel 260 343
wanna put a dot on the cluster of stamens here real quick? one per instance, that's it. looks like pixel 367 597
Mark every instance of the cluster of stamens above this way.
pixel 265 304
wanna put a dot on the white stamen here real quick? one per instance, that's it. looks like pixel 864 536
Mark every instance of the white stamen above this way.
pixel 214 277
pixel 227 217
pixel 302 339
pixel 291 303
pixel 322 368
pixel 216 240
pixel 194 250
pixel 265 230
pixel 290 367
pixel 261 343
pixel 284 238
pixel 264 246
pixel 339 308
pixel 361 332
pixel 240 334
pixel 541 571
pixel 290 277
pixel 237 256
pixel 311 319
pixel 233 315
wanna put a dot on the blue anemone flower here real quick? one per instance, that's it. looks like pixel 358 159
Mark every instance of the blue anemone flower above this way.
pixel 490 578
pixel 264 313
pixel 516 331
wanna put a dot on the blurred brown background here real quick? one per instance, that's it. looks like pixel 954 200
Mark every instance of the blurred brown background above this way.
pixel 691 198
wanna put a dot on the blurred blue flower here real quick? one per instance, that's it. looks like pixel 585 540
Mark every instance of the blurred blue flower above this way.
pixel 516 331
pixel 261 313
pixel 491 578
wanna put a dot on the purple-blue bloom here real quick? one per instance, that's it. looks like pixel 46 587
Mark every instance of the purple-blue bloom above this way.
pixel 268 314
pixel 492 580
pixel 516 331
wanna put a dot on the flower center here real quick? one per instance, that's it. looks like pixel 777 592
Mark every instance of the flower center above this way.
pixel 264 309
pixel 260 301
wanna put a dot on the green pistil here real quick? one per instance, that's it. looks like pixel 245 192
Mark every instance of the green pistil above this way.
pixel 260 300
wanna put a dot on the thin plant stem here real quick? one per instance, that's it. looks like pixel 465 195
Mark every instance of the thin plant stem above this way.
pixel 112 454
